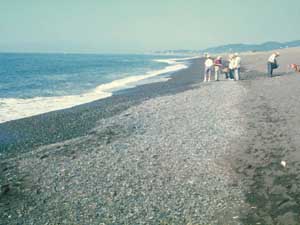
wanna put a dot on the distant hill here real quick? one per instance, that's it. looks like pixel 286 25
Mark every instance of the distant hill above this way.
pixel 177 52
pixel 267 46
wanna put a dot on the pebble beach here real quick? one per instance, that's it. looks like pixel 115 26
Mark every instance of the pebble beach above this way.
pixel 174 152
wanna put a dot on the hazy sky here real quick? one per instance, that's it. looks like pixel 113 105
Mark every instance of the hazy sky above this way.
pixel 143 25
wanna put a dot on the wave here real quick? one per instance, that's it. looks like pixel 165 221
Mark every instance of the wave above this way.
pixel 17 108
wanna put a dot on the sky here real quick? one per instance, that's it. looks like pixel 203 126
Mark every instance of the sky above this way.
pixel 135 26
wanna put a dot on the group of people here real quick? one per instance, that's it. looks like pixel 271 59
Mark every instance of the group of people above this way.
pixel 232 71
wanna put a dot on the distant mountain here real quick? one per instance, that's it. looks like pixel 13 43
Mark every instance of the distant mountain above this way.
pixel 177 52
pixel 267 46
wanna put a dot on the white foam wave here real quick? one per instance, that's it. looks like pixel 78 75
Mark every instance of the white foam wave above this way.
pixel 176 60
pixel 16 108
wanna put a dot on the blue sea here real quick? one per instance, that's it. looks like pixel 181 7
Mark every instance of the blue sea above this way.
pixel 32 84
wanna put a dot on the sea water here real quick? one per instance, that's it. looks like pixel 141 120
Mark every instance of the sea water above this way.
pixel 32 84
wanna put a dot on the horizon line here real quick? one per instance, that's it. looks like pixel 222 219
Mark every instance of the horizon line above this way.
pixel 139 53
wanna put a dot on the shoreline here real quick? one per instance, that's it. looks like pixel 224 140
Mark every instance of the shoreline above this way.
pixel 15 108
pixel 179 152
pixel 31 132
pixel 154 161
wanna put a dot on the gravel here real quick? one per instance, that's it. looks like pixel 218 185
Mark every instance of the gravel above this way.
pixel 164 161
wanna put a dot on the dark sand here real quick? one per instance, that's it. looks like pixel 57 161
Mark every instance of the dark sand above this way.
pixel 271 111
pixel 176 152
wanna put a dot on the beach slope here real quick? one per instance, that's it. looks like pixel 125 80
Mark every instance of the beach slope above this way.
pixel 176 152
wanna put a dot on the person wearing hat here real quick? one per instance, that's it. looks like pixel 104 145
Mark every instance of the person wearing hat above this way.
pixel 237 66
pixel 209 63
pixel 218 67
pixel 272 63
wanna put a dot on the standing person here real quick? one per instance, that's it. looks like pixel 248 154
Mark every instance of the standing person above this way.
pixel 272 63
pixel 231 67
pixel 237 66
pixel 226 72
pixel 209 63
pixel 218 67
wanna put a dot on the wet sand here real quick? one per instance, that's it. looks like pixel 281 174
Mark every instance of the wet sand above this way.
pixel 176 152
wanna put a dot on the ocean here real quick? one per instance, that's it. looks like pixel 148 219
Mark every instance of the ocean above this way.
pixel 32 84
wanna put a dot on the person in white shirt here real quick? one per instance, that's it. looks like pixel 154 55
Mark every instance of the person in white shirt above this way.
pixel 231 67
pixel 237 66
pixel 272 63
pixel 209 63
